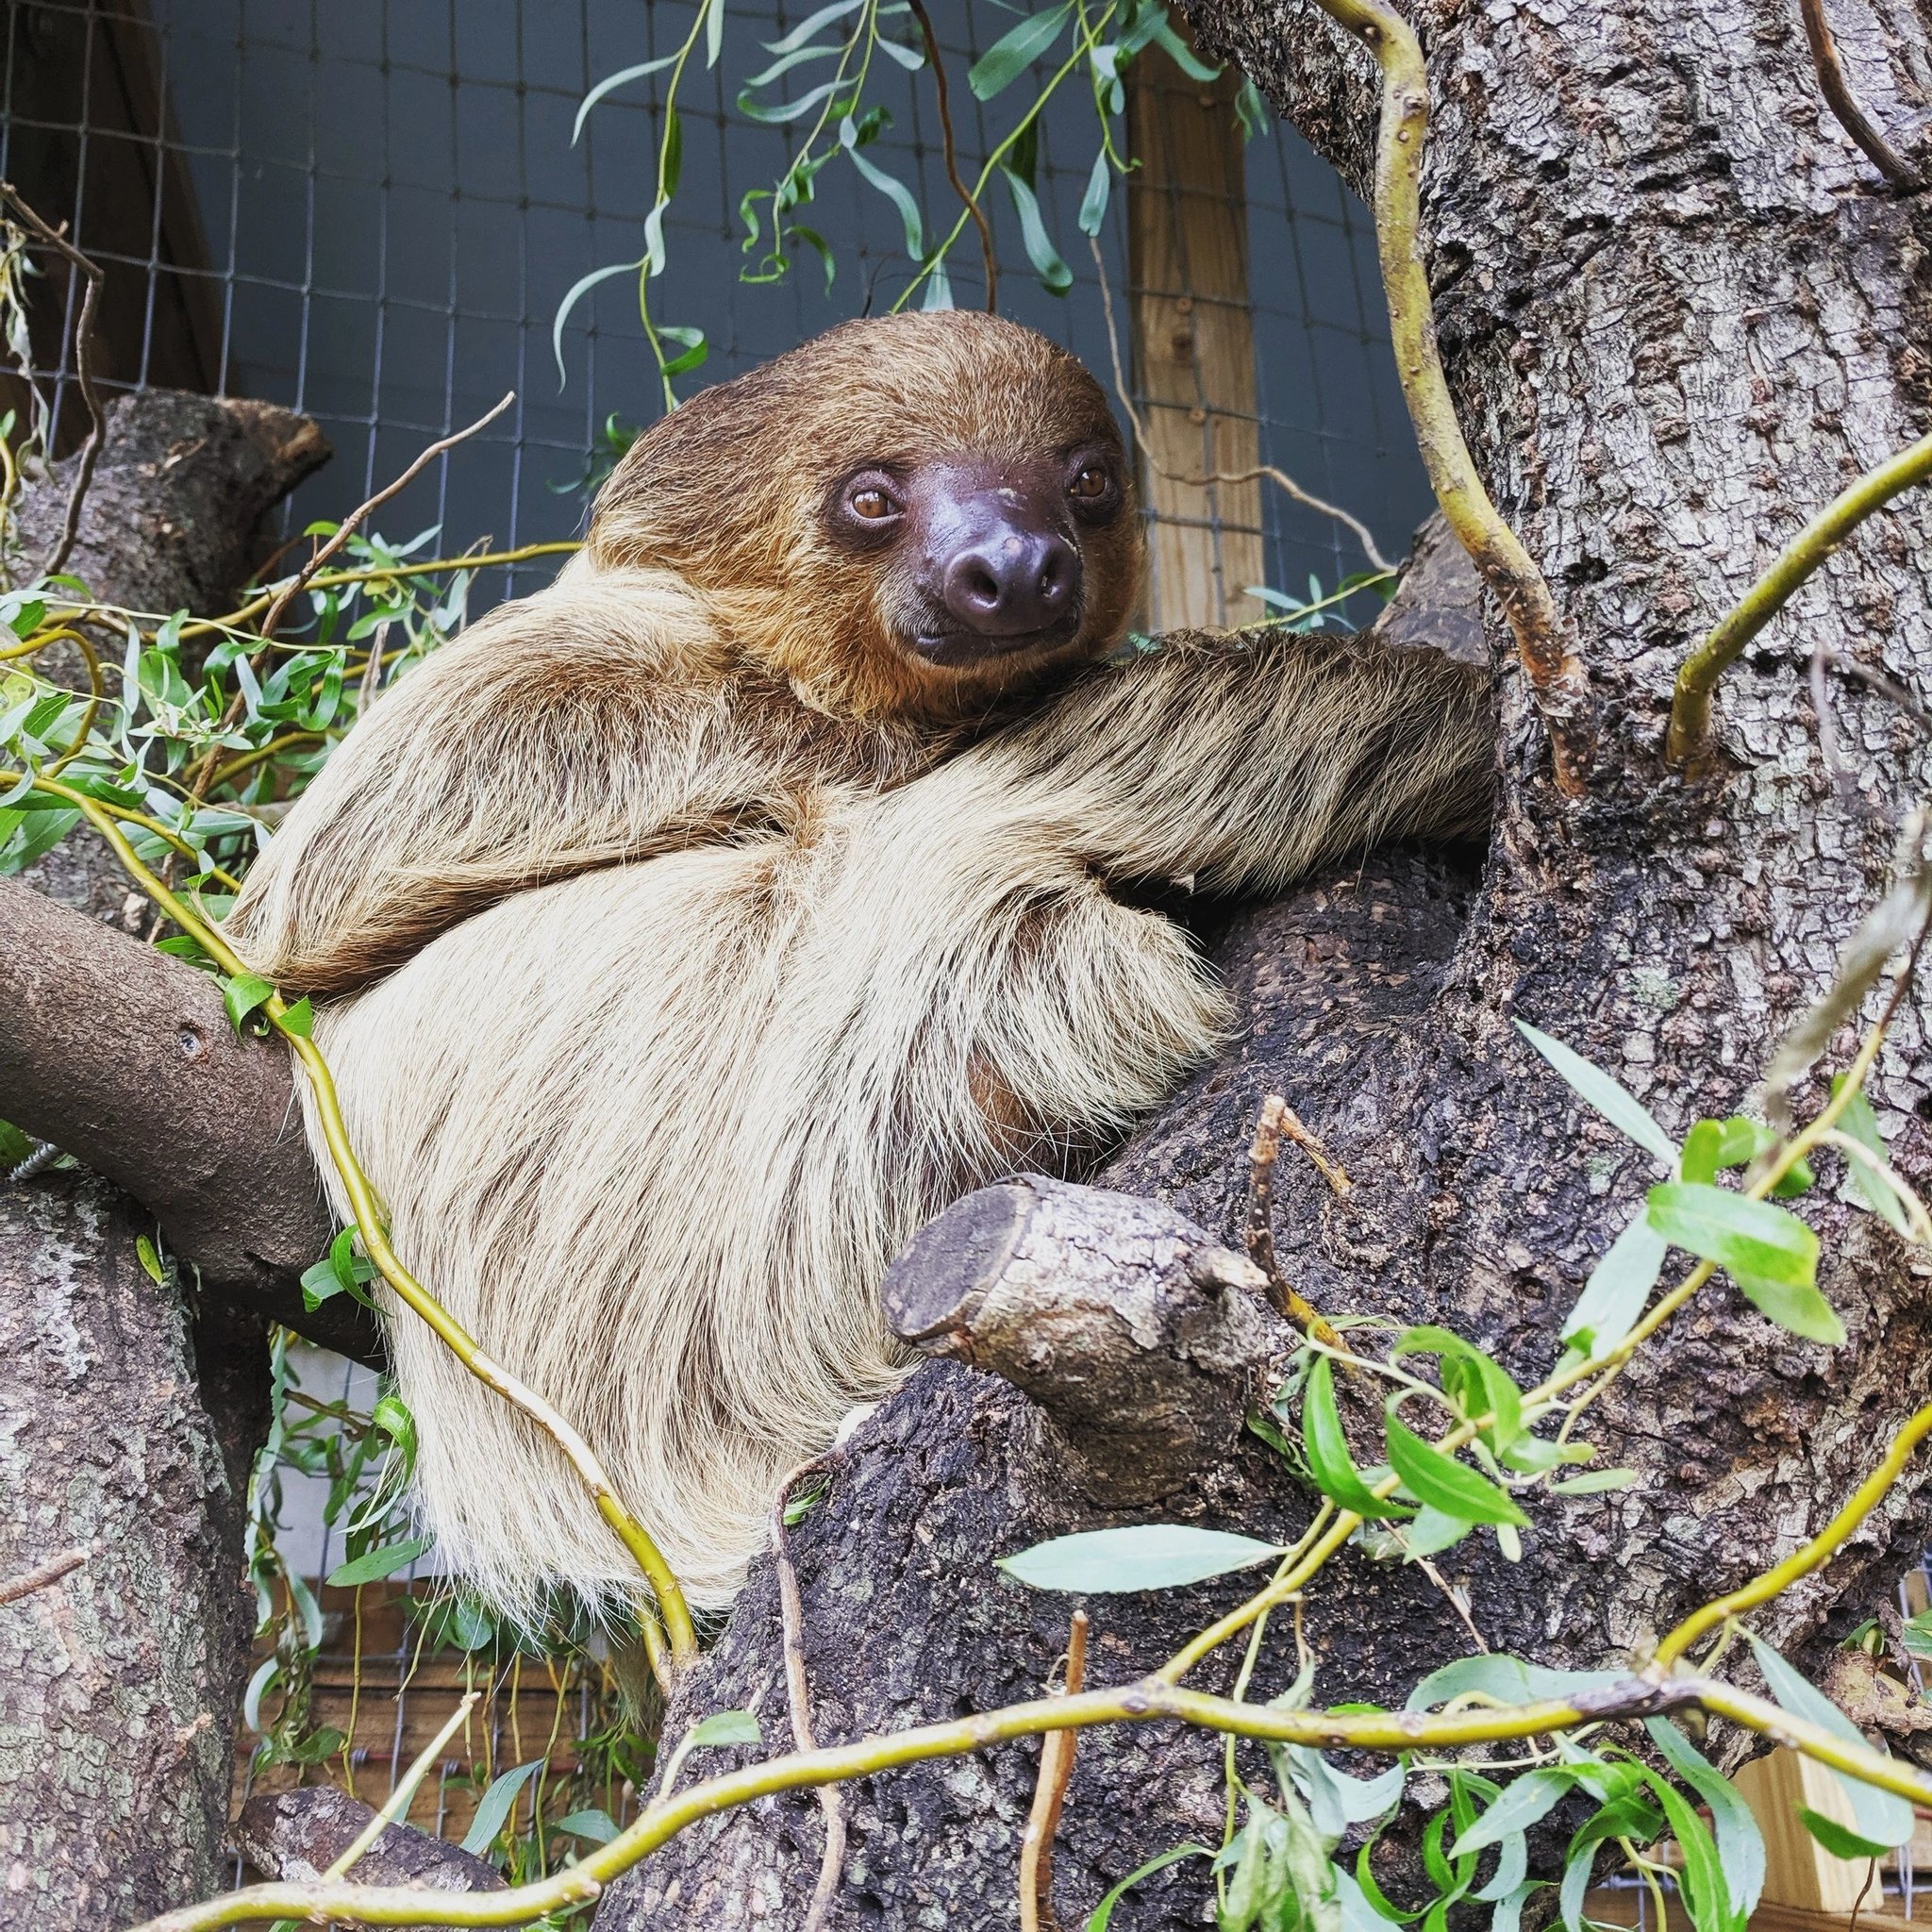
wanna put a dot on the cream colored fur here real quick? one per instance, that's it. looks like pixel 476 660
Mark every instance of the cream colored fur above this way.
pixel 719 959
pixel 656 1132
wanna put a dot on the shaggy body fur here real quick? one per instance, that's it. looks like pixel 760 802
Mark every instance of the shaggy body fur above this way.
pixel 729 944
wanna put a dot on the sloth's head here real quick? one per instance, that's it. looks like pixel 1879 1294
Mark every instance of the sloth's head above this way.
pixel 907 515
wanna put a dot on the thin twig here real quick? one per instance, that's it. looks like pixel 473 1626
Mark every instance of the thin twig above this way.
pixel 953 174
pixel 83 371
pixel 1326 1165
pixel 798 1701
pixel 397 1803
pixel 1836 86
pixel 1258 1228
pixel 352 522
pixel 1556 673
pixel 1451 1596
pixel 238 705
pixel 1049 1795
pixel 1278 477
pixel 1796 564
pixel 1844 780
pixel 1859 1903
pixel 42 1575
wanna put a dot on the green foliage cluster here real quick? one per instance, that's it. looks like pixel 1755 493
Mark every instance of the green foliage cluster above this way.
pixel 1278 1870
pixel 817 83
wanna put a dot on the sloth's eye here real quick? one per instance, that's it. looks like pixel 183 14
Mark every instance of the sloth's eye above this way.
pixel 1090 484
pixel 871 503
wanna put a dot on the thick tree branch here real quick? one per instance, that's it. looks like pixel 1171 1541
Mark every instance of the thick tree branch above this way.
pixel 1141 1339
pixel 125 1058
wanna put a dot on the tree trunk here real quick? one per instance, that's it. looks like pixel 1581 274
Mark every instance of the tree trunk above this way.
pixel 127 1427
pixel 1680 312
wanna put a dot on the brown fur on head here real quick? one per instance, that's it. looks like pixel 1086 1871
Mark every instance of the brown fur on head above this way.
pixel 818 504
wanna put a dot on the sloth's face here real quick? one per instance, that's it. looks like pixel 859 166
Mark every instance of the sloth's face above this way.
pixel 979 557
pixel 909 516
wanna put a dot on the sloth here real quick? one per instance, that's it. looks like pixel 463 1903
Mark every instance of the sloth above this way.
pixel 688 934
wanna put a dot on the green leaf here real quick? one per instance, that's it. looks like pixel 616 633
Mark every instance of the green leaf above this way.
pixel 714 31
pixel 1476 1383
pixel 573 295
pixel 300 1018
pixel 1594 1482
pixel 1524 1803
pixel 1445 1484
pixel 1840 1841
pixel 807 27
pixel 1015 51
pixel 783 112
pixel 1740 1842
pixel 1252 110
pixel 392 1418
pixel 1055 277
pixel 1880 1817
pixel 1858 1123
pixel 371 1565
pixel 1917 1633
pixel 144 1252
pixel 1623 1109
pixel 1505 1679
pixel 894 190
pixel 493 1808
pixel 1619 1285
pixel 1327 1446
pixel 693 348
pixel 1431 1532
pixel 1183 56
pixel 318 1284
pixel 1102 1915
pixel 599 1827
pixel 1701 1878
pixel 242 994
pixel 1702 1146
pixel 1628 1818
pixel 1147 1555
pixel 1099 189
pixel 1768 1251
pixel 603 88
pixel 1336 1800
pixel 724 1728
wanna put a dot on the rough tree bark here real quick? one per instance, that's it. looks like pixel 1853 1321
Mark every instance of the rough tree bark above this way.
pixel 126 1428
pixel 1680 312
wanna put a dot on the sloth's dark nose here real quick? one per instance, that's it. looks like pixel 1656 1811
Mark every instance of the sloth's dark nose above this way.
pixel 1012 579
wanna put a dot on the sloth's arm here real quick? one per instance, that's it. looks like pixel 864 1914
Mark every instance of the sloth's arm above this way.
pixel 543 742
pixel 1242 765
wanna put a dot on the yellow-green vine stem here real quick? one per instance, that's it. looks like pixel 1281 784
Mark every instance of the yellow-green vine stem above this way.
pixel 367 1211
pixel 1555 673
pixel 1798 560
pixel 1148 1701
pixel 1820 1550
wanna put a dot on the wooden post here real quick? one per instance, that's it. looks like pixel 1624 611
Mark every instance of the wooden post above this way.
pixel 1193 344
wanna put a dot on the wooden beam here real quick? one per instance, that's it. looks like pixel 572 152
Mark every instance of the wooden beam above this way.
pixel 1193 344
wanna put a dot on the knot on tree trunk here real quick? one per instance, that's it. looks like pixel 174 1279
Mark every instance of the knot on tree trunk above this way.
pixel 1142 1338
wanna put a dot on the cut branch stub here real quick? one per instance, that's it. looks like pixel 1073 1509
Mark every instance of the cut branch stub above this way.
pixel 297 1836
pixel 1142 1338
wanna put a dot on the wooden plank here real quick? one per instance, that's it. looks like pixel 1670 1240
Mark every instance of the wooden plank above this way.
pixel 1800 1875
pixel 1193 344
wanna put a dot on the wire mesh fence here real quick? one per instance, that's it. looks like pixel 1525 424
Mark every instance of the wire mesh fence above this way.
pixel 371 212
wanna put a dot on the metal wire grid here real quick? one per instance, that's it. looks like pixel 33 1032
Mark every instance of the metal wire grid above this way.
pixel 351 1655
pixel 394 209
